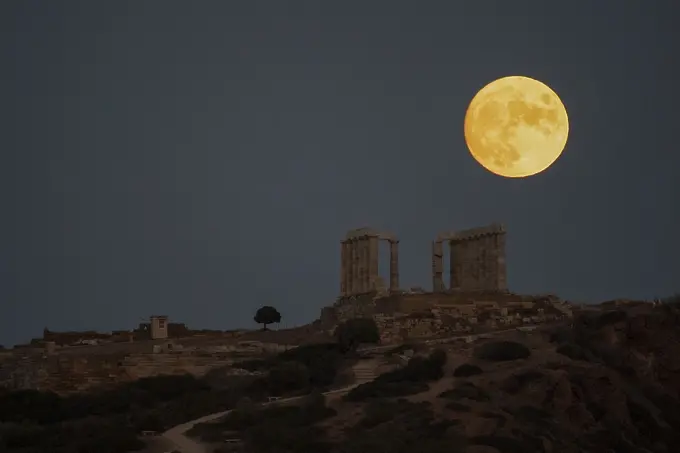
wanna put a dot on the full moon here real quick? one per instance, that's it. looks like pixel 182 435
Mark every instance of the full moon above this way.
pixel 516 127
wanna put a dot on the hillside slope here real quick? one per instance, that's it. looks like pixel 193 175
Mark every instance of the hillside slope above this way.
pixel 608 382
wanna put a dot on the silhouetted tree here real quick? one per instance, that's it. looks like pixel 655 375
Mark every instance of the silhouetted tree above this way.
pixel 355 331
pixel 267 315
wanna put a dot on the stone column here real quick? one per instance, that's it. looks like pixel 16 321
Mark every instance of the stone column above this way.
pixel 394 265
pixel 358 288
pixel 456 265
pixel 357 273
pixel 347 267
pixel 500 262
pixel 343 268
pixel 361 243
pixel 366 281
pixel 353 266
pixel 474 253
pixel 437 266
pixel 373 256
pixel 452 269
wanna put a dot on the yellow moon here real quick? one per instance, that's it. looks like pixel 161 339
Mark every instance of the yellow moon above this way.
pixel 516 127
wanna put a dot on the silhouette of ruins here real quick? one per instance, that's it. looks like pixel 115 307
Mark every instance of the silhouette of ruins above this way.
pixel 359 253
pixel 476 260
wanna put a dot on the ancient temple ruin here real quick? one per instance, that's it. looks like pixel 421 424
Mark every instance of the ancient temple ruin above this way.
pixel 476 260
pixel 359 262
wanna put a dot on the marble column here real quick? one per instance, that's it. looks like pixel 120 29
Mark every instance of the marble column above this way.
pixel 394 265
pixel 437 266
pixel 343 268
pixel 363 264
pixel 352 266
pixel 357 266
pixel 453 270
pixel 373 257
pixel 455 265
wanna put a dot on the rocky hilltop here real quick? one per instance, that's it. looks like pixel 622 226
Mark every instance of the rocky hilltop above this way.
pixel 608 381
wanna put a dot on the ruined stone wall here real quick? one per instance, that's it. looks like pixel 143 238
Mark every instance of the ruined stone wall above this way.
pixel 419 315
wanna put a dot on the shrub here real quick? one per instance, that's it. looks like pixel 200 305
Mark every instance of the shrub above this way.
pixel 466 370
pixel 518 381
pixel 498 351
pixel 611 317
pixel 467 390
pixel 532 415
pixel 288 377
pixel 561 335
pixel 572 351
pixel 413 428
pixel 323 360
pixel 379 411
pixel 355 331
pixel 310 366
pixel 504 444
pixel 458 407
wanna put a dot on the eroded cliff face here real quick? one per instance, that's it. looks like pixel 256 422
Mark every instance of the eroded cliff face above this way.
pixel 624 377
pixel 643 341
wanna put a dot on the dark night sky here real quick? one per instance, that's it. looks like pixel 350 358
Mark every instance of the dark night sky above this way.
pixel 202 158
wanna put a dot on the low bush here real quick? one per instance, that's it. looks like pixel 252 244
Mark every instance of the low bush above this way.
pixel 467 370
pixel 499 351
pixel 408 380
pixel 611 317
pixel 501 443
pixel 458 407
pixel 377 412
pixel 412 429
pixel 561 335
pixel 468 391
pixel 573 351
pixel 519 381
pixel 533 416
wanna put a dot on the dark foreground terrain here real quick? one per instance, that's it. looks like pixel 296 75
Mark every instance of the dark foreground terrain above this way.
pixel 112 421
pixel 607 383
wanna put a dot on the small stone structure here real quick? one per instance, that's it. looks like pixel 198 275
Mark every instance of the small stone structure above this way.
pixel 159 327
pixel 359 262
pixel 477 260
